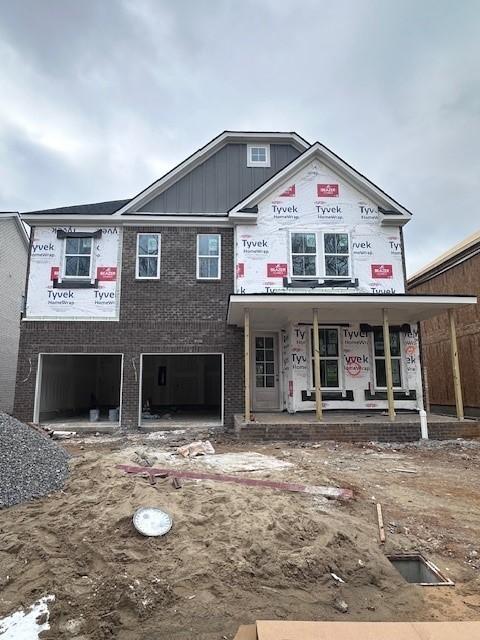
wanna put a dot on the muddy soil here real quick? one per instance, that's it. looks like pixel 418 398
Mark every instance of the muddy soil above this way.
pixel 237 554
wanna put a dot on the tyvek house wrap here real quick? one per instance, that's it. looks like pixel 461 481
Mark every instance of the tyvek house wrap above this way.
pixel 44 300
pixel 318 200
pixel 356 369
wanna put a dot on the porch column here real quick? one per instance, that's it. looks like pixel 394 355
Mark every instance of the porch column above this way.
pixel 247 364
pixel 455 365
pixel 388 366
pixel 316 366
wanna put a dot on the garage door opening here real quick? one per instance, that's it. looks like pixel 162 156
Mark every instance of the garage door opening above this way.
pixel 181 390
pixel 79 390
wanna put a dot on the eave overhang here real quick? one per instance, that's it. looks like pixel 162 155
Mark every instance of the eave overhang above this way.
pixel 277 310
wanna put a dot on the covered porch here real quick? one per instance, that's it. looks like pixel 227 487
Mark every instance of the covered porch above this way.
pixel 312 356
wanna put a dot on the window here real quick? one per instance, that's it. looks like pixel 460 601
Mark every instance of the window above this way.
pixel 329 358
pixel 208 256
pixel 336 255
pixel 379 353
pixel 304 254
pixel 78 258
pixel 148 256
pixel 264 362
pixel 258 155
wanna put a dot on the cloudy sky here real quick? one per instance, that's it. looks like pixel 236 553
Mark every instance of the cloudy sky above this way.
pixel 101 97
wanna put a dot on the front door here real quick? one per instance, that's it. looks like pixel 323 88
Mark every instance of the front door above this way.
pixel 265 372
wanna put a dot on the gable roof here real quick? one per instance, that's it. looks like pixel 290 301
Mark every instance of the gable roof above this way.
pixel 455 255
pixel 94 209
pixel 202 154
pixel 392 211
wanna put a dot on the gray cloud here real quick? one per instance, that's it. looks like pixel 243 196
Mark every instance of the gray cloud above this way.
pixel 100 98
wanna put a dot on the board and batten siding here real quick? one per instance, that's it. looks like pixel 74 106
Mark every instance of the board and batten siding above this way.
pixel 13 265
pixel 221 181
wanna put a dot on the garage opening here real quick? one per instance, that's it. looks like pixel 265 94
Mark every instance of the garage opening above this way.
pixel 78 390
pixel 182 390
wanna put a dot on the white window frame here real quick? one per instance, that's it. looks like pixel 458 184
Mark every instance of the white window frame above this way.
pixel 290 254
pixel 137 262
pixel 399 357
pixel 349 276
pixel 64 263
pixel 258 163
pixel 219 257
pixel 339 358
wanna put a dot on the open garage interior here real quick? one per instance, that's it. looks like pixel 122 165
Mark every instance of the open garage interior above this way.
pixel 79 389
pixel 182 390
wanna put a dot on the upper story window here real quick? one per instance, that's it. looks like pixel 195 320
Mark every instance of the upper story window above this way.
pixel 208 256
pixel 78 258
pixel 304 254
pixel 337 255
pixel 258 155
pixel 396 358
pixel 148 256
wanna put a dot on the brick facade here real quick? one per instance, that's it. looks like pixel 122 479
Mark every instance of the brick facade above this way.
pixel 176 314
pixel 352 432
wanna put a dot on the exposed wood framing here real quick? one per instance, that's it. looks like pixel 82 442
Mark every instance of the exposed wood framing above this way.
pixel 388 366
pixel 316 364
pixel 247 365
pixel 455 365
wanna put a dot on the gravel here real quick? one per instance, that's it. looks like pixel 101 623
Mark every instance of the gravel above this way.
pixel 31 465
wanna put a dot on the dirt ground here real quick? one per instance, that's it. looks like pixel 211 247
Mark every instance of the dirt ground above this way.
pixel 237 554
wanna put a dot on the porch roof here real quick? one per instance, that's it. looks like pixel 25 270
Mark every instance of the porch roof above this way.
pixel 275 310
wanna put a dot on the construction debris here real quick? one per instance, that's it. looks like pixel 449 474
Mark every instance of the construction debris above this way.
pixel 381 528
pixel 31 465
pixel 199 448
pixel 332 493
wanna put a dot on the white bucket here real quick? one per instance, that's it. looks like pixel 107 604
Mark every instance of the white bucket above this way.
pixel 113 415
pixel 94 415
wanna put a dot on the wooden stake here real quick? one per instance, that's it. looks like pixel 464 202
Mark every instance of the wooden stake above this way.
pixel 455 366
pixel 388 366
pixel 316 366
pixel 247 365
pixel 381 528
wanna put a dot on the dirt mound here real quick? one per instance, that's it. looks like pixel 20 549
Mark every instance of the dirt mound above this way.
pixel 31 465
pixel 257 554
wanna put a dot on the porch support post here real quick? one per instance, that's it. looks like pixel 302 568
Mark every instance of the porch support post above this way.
pixel 316 365
pixel 455 365
pixel 247 364
pixel 388 366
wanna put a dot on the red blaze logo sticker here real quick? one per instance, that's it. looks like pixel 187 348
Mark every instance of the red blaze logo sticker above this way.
pixel 354 369
pixel 327 190
pixel 288 193
pixel 276 270
pixel 240 270
pixel 54 273
pixel 382 271
pixel 410 349
pixel 106 274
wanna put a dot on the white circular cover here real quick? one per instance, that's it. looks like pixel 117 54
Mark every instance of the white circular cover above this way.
pixel 150 521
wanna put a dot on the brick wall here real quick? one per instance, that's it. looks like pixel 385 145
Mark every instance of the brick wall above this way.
pixel 360 432
pixel 174 314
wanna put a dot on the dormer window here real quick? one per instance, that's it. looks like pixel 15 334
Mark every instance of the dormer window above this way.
pixel 258 155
